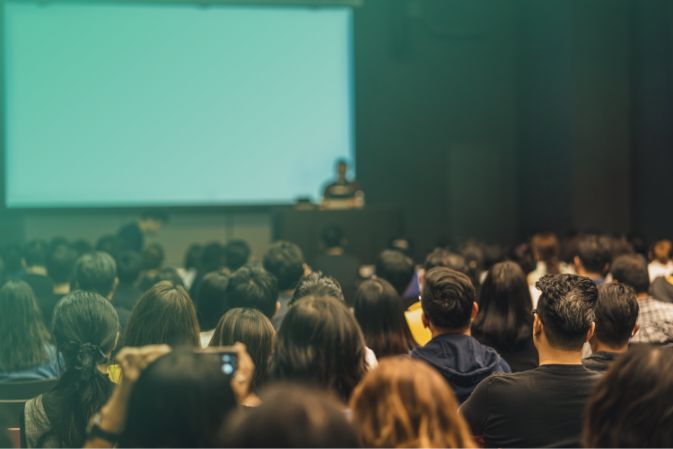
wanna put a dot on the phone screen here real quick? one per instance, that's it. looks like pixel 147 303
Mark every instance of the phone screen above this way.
pixel 229 362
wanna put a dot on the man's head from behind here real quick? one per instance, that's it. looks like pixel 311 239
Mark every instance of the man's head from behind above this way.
pixel 448 299
pixel 395 267
pixel 565 311
pixel 35 253
pixel 332 237
pixel 60 263
pixel 252 287
pixel 95 272
pixel 631 269
pixel 285 261
pixel 236 254
pixel 593 254
pixel 616 315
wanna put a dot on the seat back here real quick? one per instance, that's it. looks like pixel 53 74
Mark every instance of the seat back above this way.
pixel 14 394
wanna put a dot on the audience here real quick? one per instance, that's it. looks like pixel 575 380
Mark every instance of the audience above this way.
pixel 255 331
pixel 616 322
pixel 34 273
pixel 26 352
pixel 543 406
pixel 320 343
pixel 285 261
pixel 405 403
pixel 655 318
pixel 317 284
pixel 546 250
pixel 132 235
pixel 86 331
pixel 60 265
pixel 448 300
pixel 236 254
pixel 397 268
pixel 212 259
pixel 593 257
pixel 253 287
pixel 129 267
pixel 631 405
pixel 211 303
pixel 336 262
pixel 192 261
pixel 152 259
pixel 504 321
pixel 380 313
pixel 165 314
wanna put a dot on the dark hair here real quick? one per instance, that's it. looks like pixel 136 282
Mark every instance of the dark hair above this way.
pixel 380 312
pixel 155 214
pixel 12 253
pixel 475 258
pixel 318 284
pixel 81 247
pixel 566 308
pixel 95 272
pixel 163 315
pixel 631 404
pixel 85 330
pixel 212 257
pixel 290 416
pixel 23 334
pixel 616 314
pixel 153 256
pixel 210 298
pixel 595 253
pixel 251 286
pixel 332 236
pixel 320 342
pixel 35 253
pixel 285 261
pixel 180 400
pixel 61 263
pixel 255 331
pixel 193 256
pixel 236 254
pixel 523 256
pixel 631 269
pixel 110 244
pixel 448 298
pixel 395 267
pixel 505 307
pixel 129 266
pixel 547 249
pixel 442 257
pixel 169 274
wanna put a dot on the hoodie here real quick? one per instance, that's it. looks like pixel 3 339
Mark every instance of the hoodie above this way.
pixel 462 360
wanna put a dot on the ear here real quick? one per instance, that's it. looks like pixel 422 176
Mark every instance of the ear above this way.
pixel 421 278
pixel 538 327
pixel 425 320
pixel 591 333
pixel 635 330
pixel 475 310
pixel 277 307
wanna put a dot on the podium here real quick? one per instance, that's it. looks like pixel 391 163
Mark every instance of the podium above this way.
pixel 367 230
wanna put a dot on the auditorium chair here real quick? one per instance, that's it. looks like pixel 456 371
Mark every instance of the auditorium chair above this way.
pixel 12 397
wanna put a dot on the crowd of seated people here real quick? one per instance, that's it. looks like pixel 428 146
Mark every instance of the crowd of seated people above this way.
pixel 554 341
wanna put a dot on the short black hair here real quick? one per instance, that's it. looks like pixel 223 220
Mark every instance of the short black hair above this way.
pixel 60 263
pixel 210 298
pixel 253 287
pixel 631 269
pixel 447 298
pixel 442 257
pixel 395 267
pixel 595 252
pixel 193 256
pixel 153 256
pixel 236 254
pixel 285 261
pixel 95 272
pixel 129 266
pixel 332 236
pixel 566 308
pixel 318 284
pixel 616 314
pixel 35 253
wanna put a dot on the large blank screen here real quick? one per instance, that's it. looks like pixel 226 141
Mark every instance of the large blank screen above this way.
pixel 134 104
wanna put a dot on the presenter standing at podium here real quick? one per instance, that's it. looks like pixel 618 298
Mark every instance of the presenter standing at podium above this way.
pixel 343 193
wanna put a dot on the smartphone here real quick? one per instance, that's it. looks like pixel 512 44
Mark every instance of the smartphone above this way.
pixel 228 362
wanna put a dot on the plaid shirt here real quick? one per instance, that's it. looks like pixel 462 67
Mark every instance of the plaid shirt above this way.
pixel 656 322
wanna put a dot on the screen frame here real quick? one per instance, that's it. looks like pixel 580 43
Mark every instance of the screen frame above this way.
pixel 192 207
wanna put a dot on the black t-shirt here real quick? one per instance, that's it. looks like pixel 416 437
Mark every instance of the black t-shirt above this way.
pixel 541 407
pixel 599 361
pixel 520 356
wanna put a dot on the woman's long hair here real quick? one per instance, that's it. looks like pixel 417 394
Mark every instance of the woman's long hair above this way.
pixel 23 334
pixel 505 307
pixel 380 312
pixel 406 403
pixel 86 330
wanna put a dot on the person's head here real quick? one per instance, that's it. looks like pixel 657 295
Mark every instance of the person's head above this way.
pixel 212 258
pixel 81 247
pixel 153 256
pixel 631 269
pixel 594 254
pixel 442 257
pixel 395 267
pixel 169 274
pixel 110 244
pixel 211 301
pixel 35 254
pixel 522 254
pixel 152 220
pixel 86 330
pixel 318 284
pixel 332 237
pixel 341 168
pixel 406 403
pixel 290 415
pixel 163 315
pixel 95 272
pixel 631 404
pixel 380 313
pixel 616 315
pixel 61 263
pixel 255 331
pixel 473 253
pixel 236 254
pixel 662 251
pixel 505 306
pixel 179 400
pixel 448 300
pixel 564 318
pixel 129 267
pixel 21 328
pixel 547 249
pixel 320 342
pixel 253 287
pixel 193 257
pixel 285 261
